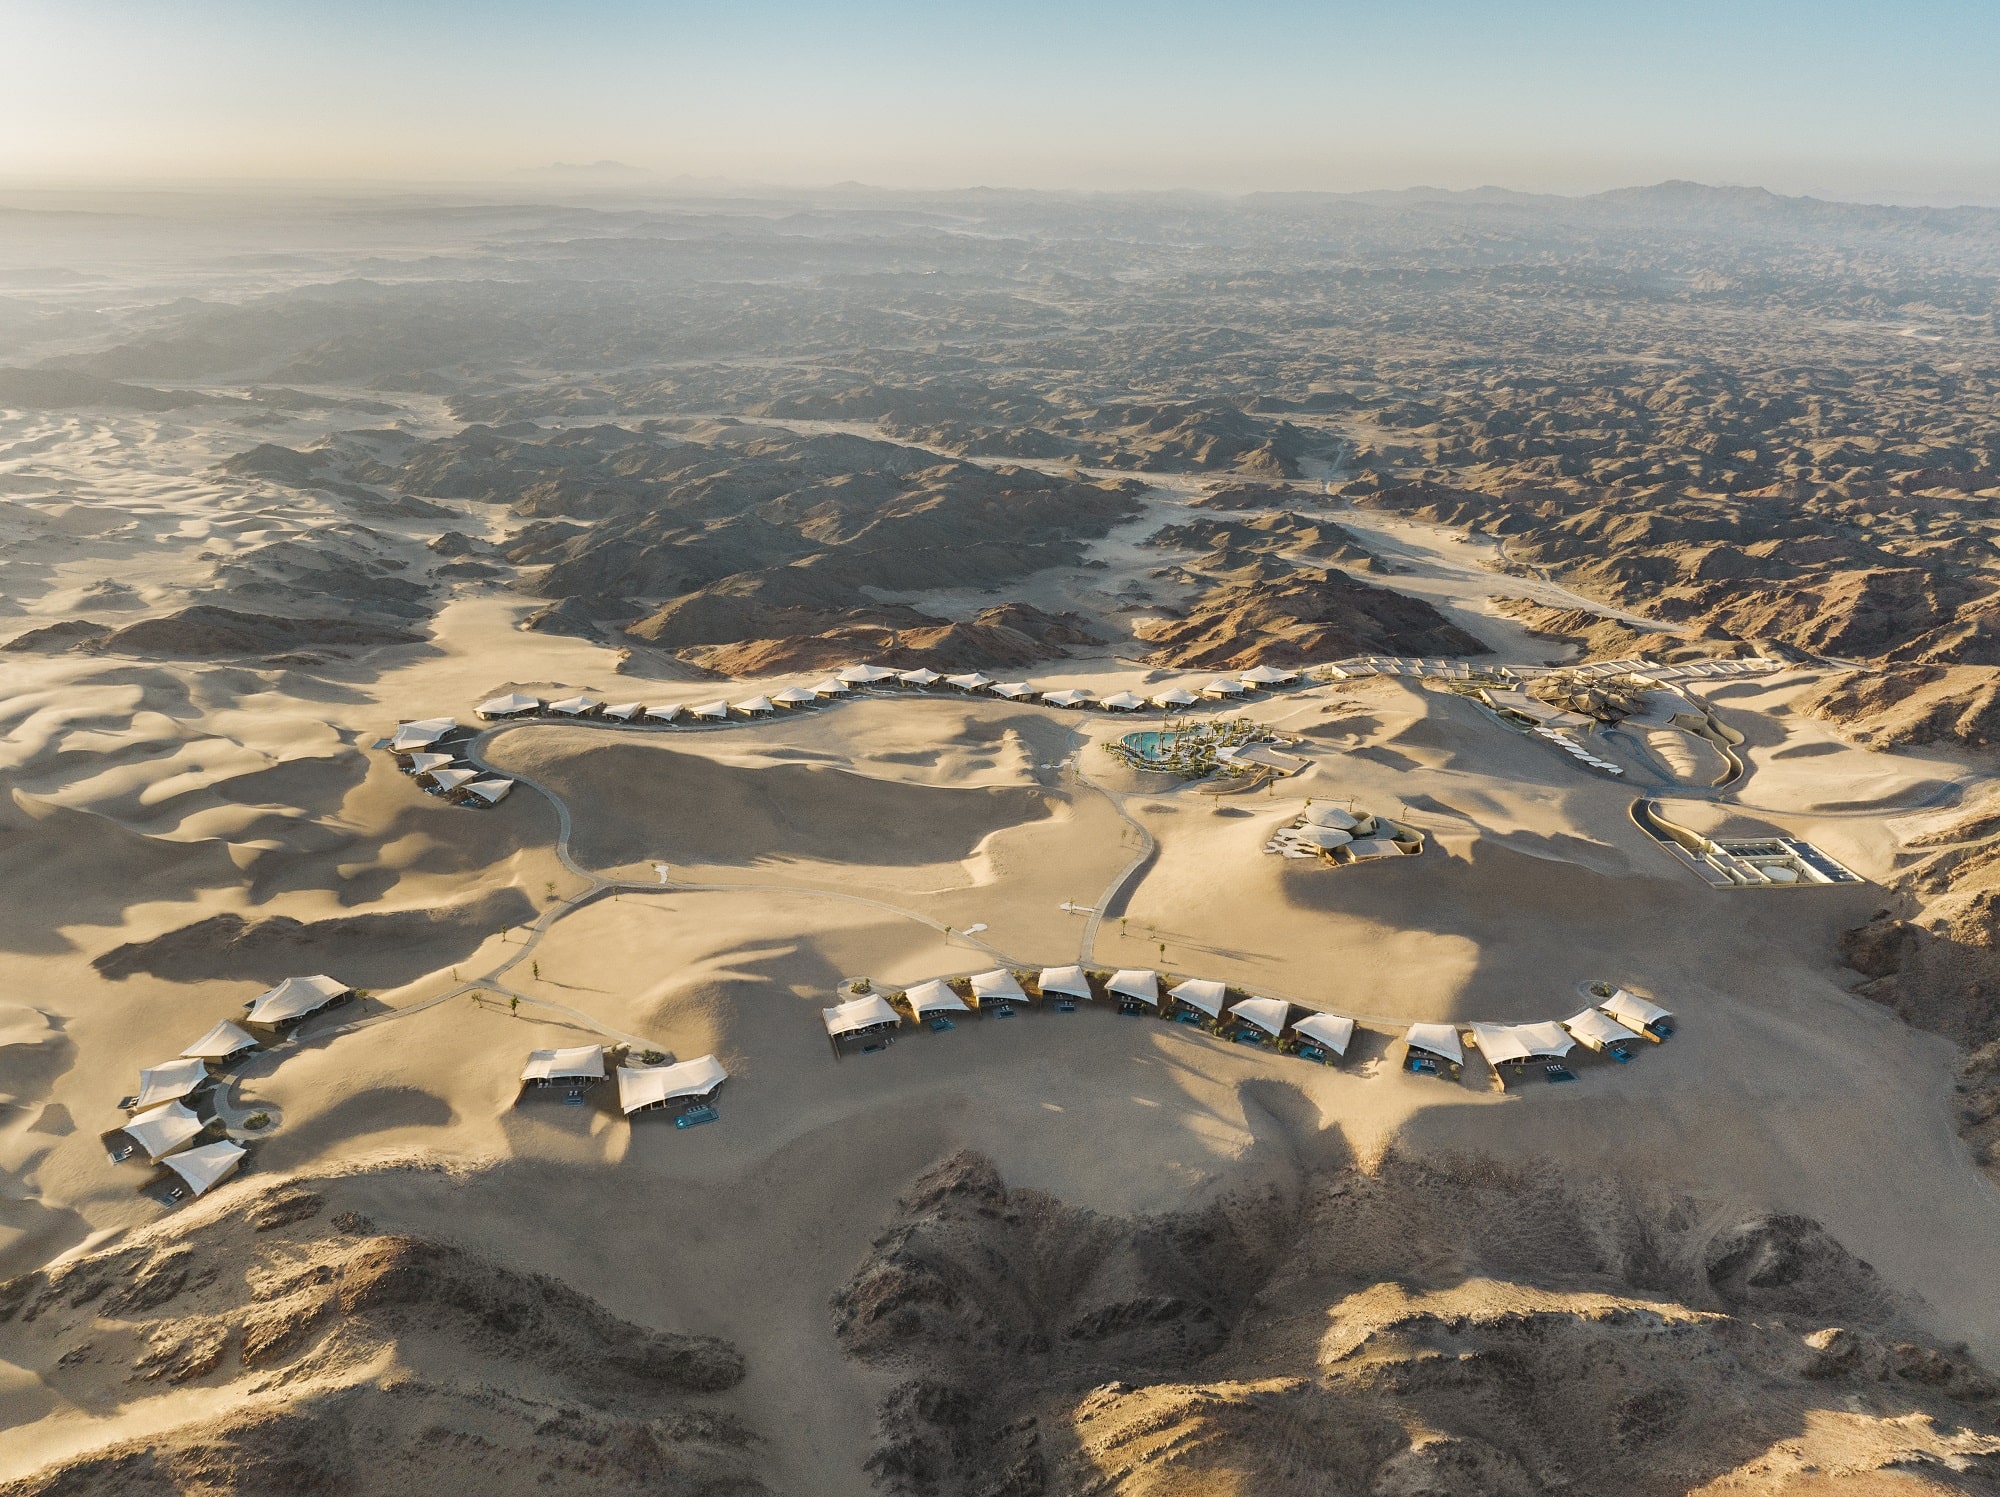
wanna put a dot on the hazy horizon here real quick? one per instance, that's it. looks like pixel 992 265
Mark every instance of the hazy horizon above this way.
pixel 1841 101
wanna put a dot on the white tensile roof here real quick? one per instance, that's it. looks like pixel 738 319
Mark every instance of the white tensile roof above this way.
pixel 574 706
pixel 1438 1039
pixel 792 694
pixel 508 705
pixel 1201 993
pixel 756 704
pixel 1069 696
pixel 923 675
pixel 1069 981
pixel 208 1166
pixel 1317 836
pixel 1332 816
pixel 665 713
pixel 999 983
pixel 1225 686
pixel 1175 696
pixel 1122 701
pixel 559 1065
pixel 1630 1009
pixel 1013 690
pixel 169 1083
pixel 1597 1029
pixel 452 779
pixel 934 997
pixel 716 708
pixel 1266 675
pixel 862 675
pixel 864 1012
pixel 294 998
pixel 624 712
pixel 646 1085
pixel 1330 1030
pixel 492 791
pixel 423 734
pixel 1268 1014
pixel 830 687
pixel 425 763
pixel 1498 1042
pixel 164 1129
pixel 971 681
pixel 223 1040
pixel 1135 982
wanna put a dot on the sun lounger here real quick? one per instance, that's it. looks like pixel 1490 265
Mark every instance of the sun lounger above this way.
pixel 1312 1053
pixel 573 1097
pixel 1559 1073
pixel 1132 1010
pixel 1248 1037
pixel 940 1024
pixel 1187 1016
pixel 1423 1065
pixel 695 1116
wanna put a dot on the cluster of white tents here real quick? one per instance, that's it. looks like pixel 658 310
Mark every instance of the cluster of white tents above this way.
pixel 517 705
pixel 421 748
pixel 1610 1027
pixel 1134 989
pixel 1344 836
pixel 640 1088
pixel 162 1125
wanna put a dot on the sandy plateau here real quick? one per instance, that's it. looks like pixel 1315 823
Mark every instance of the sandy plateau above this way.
pixel 1066 1253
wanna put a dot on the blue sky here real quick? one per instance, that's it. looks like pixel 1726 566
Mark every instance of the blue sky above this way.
pixel 1882 101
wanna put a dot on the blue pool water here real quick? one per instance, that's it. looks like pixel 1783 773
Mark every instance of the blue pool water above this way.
pixel 1153 745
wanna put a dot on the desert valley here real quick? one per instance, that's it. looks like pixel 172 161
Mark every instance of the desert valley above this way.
pixel 1000 843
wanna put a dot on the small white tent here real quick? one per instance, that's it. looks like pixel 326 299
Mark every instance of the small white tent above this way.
pixel 1120 701
pixel 715 711
pixel 202 1169
pixel 934 997
pixel 1203 994
pixel 864 675
pixel 793 696
pixel 1267 1014
pixel 410 737
pixel 1013 691
pixel 1135 982
pixel 655 1086
pixel 1597 1029
pixel 1330 1031
pixel 1266 675
pixel 169 1083
pixel 923 675
pixel 1068 981
pixel 1068 697
pixel 970 681
pixel 1175 696
pixel 514 704
pixel 624 712
pixel 221 1042
pixel 1635 1012
pixel 830 688
pixel 1500 1043
pixel 422 764
pixel 164 1129
pixel 575 706
pixel 577 1063
pixel 489 792
pixel 294 998
pixel 448 780
pixel 756 706
pixel 1224 686
pixel 871 1011
pixel 664 713
pixel 999 985
pixel 1436 1039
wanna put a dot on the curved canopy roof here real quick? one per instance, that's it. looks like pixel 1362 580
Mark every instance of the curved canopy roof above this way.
pixel 1437 1039
pixel 1135 982
pixel 665 713
pixel 1268 675
pixel 224 1040
pixel 207 1166
pixel 999 983
pixel 922 675
pixel 294 998
pixel 860 1013
pixel 453 779
pixel 1268 1014
pixel 164 1129
pixel 423 734
pixel 1175 696
pixel 1317 836
pixel 1225 686
pixel 1068 981
pixel 1332 816
pixel 624 712
pixel 830 687
pixel 170 1082
pixel 756 704
pixel 1122 701
pixel 575 1063
pixel 425 763
pixel 1597 1029
pixel 1503 1042
pixel 1631 1009
pixel 933 997
pixel 1013 690
pixel 492 791
pixel 792 695
pixel 508 705
pixel 646 1086
pixel 863 675
pixel 1330 1030
pixel 713 709
pixel 1067 697
pixel 574 706
pixel 1201 993
pixel 970 681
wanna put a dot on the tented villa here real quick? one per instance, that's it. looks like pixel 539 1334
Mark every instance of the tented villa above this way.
pixel 1135 988
pixel 1516 1051
pixel 997 992
pixel 934 1002
pixel 170 1082
pixel 656 1088
pixel 1433 1050
pixel 199 1170
pixel 222 1044
pixel 1062 986
pixel 578 1067
pixel 867 1022
pixel 296 998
